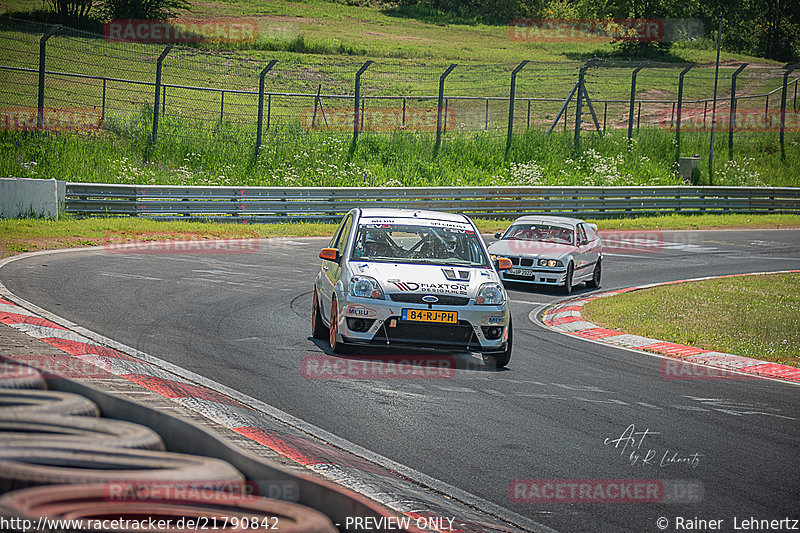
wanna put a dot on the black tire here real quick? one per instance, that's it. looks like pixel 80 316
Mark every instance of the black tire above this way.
pixel 500 360
pixel 566 288
pixel 45 402
pixel 598 273
pixel 53 429
pixel 69 463
pixel 318 329
pixel 92 502
pixel 336 346
pixel 16 376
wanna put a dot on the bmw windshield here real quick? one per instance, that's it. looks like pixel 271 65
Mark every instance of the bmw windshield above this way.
pixel 540 232
pixel 419 243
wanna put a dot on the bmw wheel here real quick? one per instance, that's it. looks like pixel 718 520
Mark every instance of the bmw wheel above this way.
pixel 566 288
pixel 598 272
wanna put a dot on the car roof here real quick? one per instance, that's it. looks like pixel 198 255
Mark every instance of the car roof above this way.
pixel 532 219
pixel 424 214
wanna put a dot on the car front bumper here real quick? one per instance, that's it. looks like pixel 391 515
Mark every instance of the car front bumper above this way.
pixel 537 275
pixel 380 323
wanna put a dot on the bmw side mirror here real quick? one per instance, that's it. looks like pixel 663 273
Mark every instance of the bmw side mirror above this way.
pixel 498 235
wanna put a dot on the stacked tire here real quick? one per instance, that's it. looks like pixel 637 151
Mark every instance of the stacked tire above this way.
pixel 60 460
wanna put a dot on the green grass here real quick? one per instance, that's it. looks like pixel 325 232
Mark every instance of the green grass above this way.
pixel 29 235
pixel 187 155
pixel 751 316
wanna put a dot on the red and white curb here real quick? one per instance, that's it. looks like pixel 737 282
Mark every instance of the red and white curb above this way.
pixel 566 317
pixel 394 486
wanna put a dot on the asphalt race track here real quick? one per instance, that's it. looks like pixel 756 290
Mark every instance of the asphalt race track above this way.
pixel 562 410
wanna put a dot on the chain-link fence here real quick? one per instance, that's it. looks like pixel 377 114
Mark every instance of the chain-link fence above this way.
pixel 184 91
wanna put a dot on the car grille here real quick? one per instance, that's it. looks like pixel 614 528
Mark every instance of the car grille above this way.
pixel 521 261
pixel 423 334
pixel 444 299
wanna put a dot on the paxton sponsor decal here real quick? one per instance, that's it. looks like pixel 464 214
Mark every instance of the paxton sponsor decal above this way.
pixel 360 311
pixel 443 288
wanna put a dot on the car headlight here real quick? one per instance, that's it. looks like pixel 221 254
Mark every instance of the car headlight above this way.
pixel 550 263
pixel 365 287
pixel 490 294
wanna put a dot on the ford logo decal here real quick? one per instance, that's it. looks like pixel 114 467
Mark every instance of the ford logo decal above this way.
pixel 430 299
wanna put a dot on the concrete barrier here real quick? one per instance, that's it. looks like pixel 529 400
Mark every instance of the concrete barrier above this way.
pixel 28 197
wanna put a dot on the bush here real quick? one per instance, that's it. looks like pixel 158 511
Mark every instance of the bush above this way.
pixel 142 9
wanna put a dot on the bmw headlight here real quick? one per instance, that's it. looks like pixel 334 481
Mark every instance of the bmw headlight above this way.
pixel 490 294
pixel 365 287
pixel 550 263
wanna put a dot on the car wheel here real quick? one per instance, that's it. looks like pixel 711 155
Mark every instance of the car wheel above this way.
pixel 336 346
pixel 501 360
pixel 566 288
pixel 318 329
pixel 598 272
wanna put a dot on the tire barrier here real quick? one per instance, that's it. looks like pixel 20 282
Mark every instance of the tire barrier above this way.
pixel 24 466
pixel 16 429
pixel 33 403
pixel 16 376
pixel 235 510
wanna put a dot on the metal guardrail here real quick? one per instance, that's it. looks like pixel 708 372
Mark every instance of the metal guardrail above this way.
pixel 277 204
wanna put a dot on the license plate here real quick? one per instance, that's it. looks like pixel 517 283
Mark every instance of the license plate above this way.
pixel 429 315
pixel 521 272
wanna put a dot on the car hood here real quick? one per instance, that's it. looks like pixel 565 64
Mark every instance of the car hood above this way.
pixel 432 279
pixel 517 248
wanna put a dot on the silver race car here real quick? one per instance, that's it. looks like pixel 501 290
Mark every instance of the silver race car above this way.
pixel 395 277
pixel 551 251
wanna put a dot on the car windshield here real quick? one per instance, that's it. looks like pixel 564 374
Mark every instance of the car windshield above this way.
pixel 540 232
pixel 411 243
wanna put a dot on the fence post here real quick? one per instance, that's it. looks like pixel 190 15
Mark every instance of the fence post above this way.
pixel 529 115
pixel 579 107
pixel 633 99
pixel 103 112
pixel 511 96
pixel 159 64
pixel 679 111
pixel 605 112
pixel 789 69
pixel 261 77
pixel 486 119
pixel 439 109
pixel 732 117
pixel 356 98
pixel 163 98
pixel 42 56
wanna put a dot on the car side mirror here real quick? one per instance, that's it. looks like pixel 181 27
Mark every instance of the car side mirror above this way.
pixel 503 263
pixel 498 235
pixel 330 254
